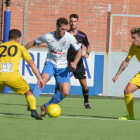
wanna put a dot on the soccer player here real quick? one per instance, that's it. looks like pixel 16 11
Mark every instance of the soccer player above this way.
pixel 58 43
pixel 79 72
pixel 10 55
pixel 134 83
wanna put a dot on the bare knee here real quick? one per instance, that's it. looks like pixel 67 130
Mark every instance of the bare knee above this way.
pixel 29 92
pixel 65 93
pixel 84 84
pixel 127 91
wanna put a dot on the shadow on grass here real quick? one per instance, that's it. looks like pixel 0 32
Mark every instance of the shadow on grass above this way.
pixel 103 117
pixel 17 104
pixel 14 115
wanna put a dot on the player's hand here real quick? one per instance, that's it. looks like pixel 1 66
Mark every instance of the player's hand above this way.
pixel 85 55
pixel 40 83
pixel 73 65
pixel 115 79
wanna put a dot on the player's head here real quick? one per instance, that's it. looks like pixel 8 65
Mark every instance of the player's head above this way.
pixel 73 21
pixel 135 34
pixel 61 27
pixel 15 35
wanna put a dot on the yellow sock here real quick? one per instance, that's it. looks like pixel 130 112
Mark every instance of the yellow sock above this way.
pixel 31 101
pixel 129 104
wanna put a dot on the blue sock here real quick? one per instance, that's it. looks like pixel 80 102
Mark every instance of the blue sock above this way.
pixel 58 97
pixel 36 91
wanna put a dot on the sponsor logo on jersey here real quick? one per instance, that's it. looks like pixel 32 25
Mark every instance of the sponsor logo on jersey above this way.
pixel 6 67
pixel 57 52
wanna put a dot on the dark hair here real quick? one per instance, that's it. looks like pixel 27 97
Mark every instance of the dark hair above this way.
pixel 61 21
pixel 135 31
pixel 14 34
pixel 74 16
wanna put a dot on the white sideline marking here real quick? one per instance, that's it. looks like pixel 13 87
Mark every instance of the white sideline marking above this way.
pixel 83 118
pixel 95 119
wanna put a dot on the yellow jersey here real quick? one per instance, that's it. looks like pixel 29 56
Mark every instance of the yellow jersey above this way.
pixel 134 51
pixel 10 55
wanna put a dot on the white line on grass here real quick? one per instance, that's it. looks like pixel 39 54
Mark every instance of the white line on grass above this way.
pixel 95 119
pixel 84 118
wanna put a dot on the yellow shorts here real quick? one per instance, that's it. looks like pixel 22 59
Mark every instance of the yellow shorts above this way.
pixel 136 79
pixel 20 86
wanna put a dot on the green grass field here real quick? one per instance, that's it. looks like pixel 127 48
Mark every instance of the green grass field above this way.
pixel 74 123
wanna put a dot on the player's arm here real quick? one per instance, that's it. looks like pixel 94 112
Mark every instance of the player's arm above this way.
pixel 36 72
pixel 123 66
pixel 88 49
pixel 30 45
pixel 77 58
pixel 37 41
pixel 87 45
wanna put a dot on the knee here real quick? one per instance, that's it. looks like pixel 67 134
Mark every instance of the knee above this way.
pixel 127 91
pixel 84 85
pixel 65 93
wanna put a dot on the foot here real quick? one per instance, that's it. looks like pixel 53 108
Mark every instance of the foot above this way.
pixel 43 111
pixel 128 117
pixel 35 115
pixel 87 105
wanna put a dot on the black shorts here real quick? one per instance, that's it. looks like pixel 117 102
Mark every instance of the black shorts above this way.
pixel 79 72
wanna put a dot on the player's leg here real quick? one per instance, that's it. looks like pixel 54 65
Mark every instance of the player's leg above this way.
pixel 57 97
pixel 63 79
pixel 31 100
pixel 47 73
pixel 21 87
pixel 56 88
pixel 1 86
pixel 85 90
pixel 80 75
pixel 132 86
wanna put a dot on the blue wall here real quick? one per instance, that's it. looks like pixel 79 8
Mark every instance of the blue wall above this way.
pixel 77 90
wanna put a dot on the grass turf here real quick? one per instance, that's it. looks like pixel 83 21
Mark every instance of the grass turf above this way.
pixel 75 122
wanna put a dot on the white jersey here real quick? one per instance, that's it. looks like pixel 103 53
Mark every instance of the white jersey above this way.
pixel 58 47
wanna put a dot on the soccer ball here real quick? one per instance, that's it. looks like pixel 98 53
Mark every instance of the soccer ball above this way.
pixel 53 110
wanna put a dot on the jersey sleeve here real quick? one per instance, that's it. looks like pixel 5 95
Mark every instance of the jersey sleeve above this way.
pixel 74 43
pixel 86 42
pixel 131 52
pixel 40 40
pixel 25 54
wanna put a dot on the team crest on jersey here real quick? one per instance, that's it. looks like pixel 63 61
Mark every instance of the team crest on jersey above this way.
pixel 6 67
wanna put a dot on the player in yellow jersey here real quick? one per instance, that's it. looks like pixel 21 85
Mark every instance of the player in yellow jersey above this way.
pixel 134 83
pixel 10 55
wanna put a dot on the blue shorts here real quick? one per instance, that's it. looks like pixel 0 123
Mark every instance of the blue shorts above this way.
pixel 61 74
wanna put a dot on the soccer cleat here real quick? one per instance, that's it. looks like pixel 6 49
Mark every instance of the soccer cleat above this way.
pixel 35 115
pixel 128 117
pixel 43 111
pixel 87 105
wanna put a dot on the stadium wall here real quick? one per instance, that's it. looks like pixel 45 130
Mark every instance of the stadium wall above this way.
pixel 93 67
pixel 42 16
